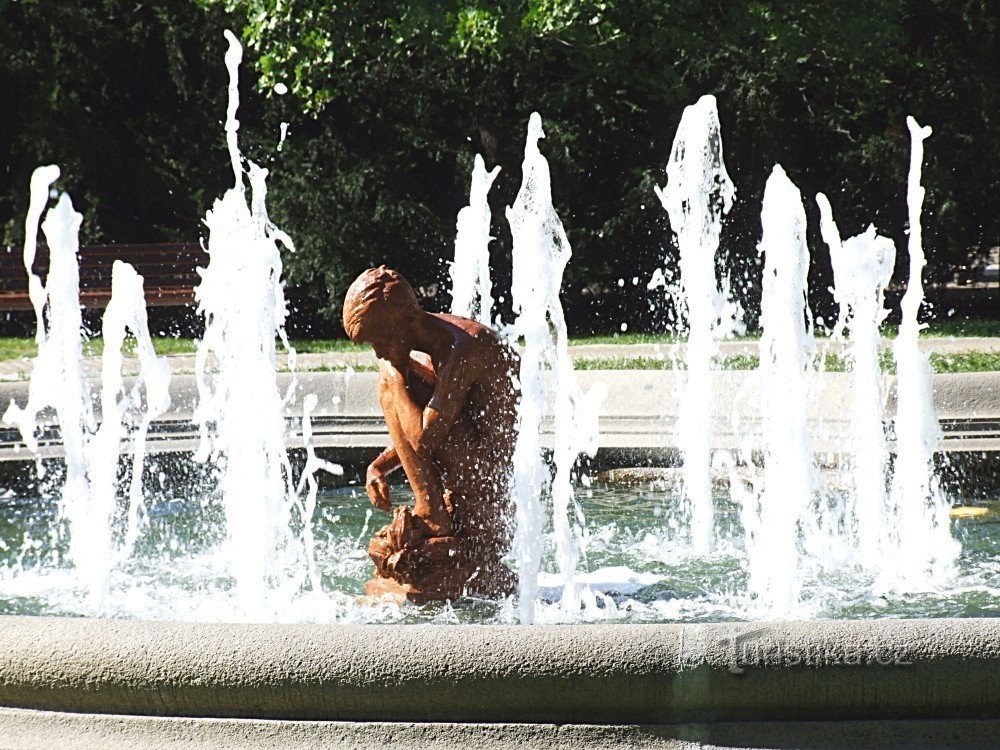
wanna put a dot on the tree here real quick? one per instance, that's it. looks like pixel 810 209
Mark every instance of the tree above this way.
pixel 389 101
pixel 128 99
pixel 401 95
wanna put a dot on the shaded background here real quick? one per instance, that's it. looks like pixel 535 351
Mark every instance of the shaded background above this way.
pixel 389 101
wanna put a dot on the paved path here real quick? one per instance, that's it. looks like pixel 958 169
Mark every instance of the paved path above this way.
pixel 638 412
pixel 183 364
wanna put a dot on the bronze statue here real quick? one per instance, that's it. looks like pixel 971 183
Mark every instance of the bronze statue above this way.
pixel 446 390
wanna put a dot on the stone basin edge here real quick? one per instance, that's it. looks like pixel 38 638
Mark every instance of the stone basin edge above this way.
pixel 615 674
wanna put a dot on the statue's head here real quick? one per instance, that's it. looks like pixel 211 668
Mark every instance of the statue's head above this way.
pixel 380 308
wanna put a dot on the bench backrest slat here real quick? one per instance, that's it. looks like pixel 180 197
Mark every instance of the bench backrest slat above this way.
pixel 169 270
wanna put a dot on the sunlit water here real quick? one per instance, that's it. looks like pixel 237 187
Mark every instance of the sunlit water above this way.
pixel 635 568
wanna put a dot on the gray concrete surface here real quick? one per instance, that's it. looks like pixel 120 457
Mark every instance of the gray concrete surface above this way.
pixel 592 674
pixel 107 684
pixel 43 730
pixel 638 412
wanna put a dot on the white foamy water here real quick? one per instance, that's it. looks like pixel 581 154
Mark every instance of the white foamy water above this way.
pixel 57 380
pixel 240 409
pixel 144 401
pixel 56 372
pixel 926 549
pixel 633 572
pixel 862 267
pixel 88 496
pixel 472 289
pixel 771 515
pixel 541 251
pixel 121 407
pixel 697 196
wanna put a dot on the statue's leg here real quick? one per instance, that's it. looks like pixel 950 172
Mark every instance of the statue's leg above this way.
pixel 476 467
pixel 404 418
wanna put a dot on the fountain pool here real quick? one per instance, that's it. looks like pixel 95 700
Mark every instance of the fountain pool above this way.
pixel 216 598
pixel 632 570
pixel 246 544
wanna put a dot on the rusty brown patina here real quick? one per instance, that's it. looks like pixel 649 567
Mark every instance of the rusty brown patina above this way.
pixel 447 393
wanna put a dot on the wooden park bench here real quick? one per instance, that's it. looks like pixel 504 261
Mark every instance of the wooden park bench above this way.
pixel 169 272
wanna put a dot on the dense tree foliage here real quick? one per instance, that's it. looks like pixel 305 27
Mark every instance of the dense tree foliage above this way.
pixel 126 98
pixel 389 101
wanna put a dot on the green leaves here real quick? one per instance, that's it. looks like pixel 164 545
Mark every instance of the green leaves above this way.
pixel 389 101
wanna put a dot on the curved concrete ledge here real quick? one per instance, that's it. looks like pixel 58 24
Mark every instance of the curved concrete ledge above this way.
pixel 593 674
pixel 639 412
pixel 42 730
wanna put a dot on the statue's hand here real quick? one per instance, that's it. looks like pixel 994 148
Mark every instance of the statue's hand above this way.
pixel 377 489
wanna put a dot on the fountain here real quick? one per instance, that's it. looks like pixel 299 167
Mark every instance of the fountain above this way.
pixel 862 267
pixel 541 251
pixel 126 312
pixel 240 410
pixel 260 545
pixel 771 515
pixel 472 290
pixel 926 547
pixel 697 196
pixel 57 378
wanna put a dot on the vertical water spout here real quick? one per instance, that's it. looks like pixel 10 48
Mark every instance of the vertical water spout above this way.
pixel 471 291
pixel 92 453
pixel 147 399
pixel 926 546
pixel 126 311
pixel 57 373
pixel 240 409
pixel 46 370
pixel 862 266
pixel 697 195
pixel 771 515
pixel 540 253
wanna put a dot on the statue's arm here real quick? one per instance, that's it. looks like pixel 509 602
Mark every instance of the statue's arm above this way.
pixel 387 461
pixel 422 366
pixel 451 389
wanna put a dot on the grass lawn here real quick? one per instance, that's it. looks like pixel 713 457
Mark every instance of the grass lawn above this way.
pixel 21 348
pixel 939 328
pixel 962 362
pixel 18 348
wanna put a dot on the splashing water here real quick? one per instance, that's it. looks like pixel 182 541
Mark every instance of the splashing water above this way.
pixel 309 484
pixel 240 410
pixel 126 311
pixel 862 267
pixel 630 571
pixel 771 515
pixel 926 547
pixel 89 493
pixel 697 195
pixel 57 373
pixel 472 291
pixel 541 251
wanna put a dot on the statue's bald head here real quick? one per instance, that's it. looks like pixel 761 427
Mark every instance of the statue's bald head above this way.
pixel 383 289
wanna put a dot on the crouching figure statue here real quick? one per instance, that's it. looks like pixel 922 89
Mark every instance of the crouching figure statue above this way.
pixel 446 390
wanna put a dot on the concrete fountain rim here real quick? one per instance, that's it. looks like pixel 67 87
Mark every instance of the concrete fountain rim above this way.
pixel 892 669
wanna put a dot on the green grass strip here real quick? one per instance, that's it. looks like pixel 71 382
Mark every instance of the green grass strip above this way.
pixel 960 362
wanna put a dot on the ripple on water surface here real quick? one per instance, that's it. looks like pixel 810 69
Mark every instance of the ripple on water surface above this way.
pixel 637 567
